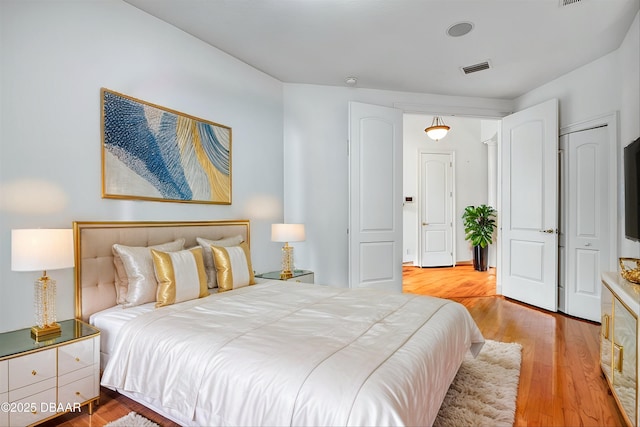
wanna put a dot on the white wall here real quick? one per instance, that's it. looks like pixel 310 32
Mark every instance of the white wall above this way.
pixel 471 177
pixel 608 84
pixel 316 163
pixel 57 55
pixel 55 58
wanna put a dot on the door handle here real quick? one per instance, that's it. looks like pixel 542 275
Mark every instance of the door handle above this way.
pixel 424 223
pixel 549 231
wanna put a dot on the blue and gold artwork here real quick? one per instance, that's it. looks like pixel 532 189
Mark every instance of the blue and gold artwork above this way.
pixel 150 152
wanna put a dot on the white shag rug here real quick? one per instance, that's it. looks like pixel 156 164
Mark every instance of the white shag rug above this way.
pixel 485 389
pixel 132 419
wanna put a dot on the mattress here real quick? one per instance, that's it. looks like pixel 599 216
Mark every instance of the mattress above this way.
pixel 282 353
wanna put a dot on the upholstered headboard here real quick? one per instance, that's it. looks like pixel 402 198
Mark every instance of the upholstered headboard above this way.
pixel 95 271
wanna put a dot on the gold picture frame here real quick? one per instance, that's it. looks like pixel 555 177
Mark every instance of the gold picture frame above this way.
pixel 154 153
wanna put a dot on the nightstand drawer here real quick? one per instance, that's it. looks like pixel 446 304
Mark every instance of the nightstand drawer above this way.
pixel 33 408
pixel 22 393
pixel 79 390
pixel 303 278
pixel 4 377
pixel 4 415
pixel 75 356
pixel 32 368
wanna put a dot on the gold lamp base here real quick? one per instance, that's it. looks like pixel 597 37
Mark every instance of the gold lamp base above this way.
pixel 287 262
pixel 47 332
pixel 286 274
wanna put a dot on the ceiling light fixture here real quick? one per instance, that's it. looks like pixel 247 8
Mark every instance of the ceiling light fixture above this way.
pixel 460 29
pixel 351 81
pixel 437 130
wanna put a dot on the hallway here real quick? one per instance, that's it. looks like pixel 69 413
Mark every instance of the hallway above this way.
pixel 461 281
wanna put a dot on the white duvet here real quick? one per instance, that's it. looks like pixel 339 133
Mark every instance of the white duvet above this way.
pixel 282 353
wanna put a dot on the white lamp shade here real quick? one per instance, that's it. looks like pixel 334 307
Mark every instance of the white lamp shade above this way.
pixel 41 249
pixel 287 232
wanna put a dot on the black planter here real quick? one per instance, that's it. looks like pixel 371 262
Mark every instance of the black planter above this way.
pixel 480 257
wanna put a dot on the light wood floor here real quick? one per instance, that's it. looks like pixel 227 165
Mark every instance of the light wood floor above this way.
pixel 560 381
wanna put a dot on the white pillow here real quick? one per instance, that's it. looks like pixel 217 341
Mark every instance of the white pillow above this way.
pixel 138 269
pixel 208 256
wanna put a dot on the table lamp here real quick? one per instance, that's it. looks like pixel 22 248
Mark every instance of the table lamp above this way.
pixel 42 250
pixel 287 233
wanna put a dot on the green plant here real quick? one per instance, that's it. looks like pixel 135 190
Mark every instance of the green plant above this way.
pixel 479 224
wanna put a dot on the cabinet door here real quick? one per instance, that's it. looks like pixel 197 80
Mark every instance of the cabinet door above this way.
pixel 625 380
pixel 606 331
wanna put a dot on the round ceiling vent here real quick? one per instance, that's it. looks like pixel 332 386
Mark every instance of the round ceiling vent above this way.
pixel 460 29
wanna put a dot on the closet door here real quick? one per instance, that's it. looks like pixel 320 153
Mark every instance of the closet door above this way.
pixel 586 220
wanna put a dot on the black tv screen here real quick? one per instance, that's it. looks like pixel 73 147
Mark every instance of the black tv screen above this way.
pixel 631 190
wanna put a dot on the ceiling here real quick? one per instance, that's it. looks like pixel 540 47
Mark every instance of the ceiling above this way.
pixel 403 45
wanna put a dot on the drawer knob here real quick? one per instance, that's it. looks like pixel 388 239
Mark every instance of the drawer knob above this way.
pixel 34 372
pixel 77 393
pixel 77 359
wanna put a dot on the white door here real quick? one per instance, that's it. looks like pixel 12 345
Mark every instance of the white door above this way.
pixel 436 209
pixel 529 217
pixel 586 219
pixel 375 197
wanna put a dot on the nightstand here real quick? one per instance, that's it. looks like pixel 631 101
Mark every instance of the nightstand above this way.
pixel 302 276
pixel 41 380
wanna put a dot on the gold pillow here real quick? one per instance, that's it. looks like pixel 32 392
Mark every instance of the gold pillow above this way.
pixel 208 256
pixel 233 266
pixel 180 276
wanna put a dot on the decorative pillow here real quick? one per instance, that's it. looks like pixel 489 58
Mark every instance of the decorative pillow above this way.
pixel 180 276
pixel 233 266
pixel 134 268
pixel 208 256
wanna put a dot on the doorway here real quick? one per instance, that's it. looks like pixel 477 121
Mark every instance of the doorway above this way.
pixel 472 142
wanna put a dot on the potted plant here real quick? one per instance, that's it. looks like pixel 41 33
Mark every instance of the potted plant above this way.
pixel 479 225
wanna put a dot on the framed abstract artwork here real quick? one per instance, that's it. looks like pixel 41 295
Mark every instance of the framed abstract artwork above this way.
pixel 153 153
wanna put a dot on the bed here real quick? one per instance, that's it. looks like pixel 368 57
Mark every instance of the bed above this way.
pixel 270 353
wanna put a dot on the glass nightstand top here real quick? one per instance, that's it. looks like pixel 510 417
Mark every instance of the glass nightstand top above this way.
pixel 275 275
pixel 20 341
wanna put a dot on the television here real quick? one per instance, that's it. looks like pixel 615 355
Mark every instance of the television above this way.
pixel 632 190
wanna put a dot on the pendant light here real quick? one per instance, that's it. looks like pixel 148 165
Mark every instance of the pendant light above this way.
pixel 437 130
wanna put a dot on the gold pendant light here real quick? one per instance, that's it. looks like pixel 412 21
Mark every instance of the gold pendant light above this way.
pixel 437 130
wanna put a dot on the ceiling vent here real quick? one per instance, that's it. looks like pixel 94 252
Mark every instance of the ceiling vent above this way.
pixel 568 2
pixel 476 67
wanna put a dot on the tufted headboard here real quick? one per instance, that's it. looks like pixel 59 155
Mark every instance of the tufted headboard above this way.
pixel 95 271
